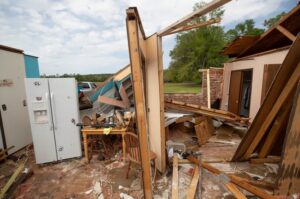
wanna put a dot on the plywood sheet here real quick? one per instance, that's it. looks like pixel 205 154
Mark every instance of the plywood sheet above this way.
pixel 156 133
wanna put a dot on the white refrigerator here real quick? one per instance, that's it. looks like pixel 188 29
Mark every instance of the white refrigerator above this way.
pixel 53 112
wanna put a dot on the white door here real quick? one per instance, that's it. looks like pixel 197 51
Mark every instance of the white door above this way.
pixel 13 107
pixel 65 110
pixel 39 108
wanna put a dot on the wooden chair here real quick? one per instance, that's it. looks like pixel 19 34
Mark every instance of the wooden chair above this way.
pixel 133 152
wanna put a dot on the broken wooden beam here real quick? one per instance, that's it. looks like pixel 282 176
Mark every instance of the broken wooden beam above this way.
pixel 12 179
pixel 248 187
pixel 285 94
pixel 175 177
pixel 135 32
pixel 206 112
pixel 199 12
pixel 235 191
pixel 191 191
pixel 193 26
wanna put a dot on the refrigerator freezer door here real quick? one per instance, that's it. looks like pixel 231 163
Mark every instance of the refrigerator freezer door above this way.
pixel 39 108
pixel 65 110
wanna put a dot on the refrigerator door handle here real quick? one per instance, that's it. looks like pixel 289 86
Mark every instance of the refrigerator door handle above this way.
pixel 49 111
pixel 53 110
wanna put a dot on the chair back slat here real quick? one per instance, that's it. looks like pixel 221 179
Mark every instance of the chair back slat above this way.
pixel 132 147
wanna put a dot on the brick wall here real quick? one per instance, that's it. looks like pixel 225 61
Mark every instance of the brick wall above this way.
pixel 216 80
pixel 185 97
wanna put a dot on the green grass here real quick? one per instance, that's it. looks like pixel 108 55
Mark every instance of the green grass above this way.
pixel 182 88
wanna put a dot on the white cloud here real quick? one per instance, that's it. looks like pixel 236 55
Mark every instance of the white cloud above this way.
pixel 239 10
pixel 75 36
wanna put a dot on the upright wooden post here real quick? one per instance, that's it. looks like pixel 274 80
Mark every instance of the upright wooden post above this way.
pixel 140 109
pixel 208 88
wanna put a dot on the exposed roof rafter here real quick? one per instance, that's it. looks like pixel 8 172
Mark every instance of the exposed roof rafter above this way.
pixel 193 26
pixel 198 13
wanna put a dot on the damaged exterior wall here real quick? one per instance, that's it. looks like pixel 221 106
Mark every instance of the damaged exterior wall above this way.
pixel 216 80
pixel 155 118
pixel 256 63
pixel 189 98
pixel 216 84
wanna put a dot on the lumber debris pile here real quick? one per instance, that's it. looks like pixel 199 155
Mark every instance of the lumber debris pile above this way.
pixel 275 129
pixel 234 184
pixel 213 113
pixel 118 119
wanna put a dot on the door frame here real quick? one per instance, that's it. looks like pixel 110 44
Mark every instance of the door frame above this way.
pixel 240 89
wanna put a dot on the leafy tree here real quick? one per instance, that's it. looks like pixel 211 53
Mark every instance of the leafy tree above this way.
pixel 195 49
pixel 241 29
pixel 268 23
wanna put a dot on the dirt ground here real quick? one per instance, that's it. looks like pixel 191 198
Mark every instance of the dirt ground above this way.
pixel 75 178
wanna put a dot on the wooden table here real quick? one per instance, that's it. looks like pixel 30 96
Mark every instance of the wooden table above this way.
pixel 93 131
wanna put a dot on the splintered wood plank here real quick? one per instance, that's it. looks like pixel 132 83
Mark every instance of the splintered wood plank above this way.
pixel 235 191
pixel 139 98
pixel 191 191
pixel 286 70
pixel 289 178
pixel 175 177
pixel 289 87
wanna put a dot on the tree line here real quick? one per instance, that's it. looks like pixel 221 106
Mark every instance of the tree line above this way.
pixel 200 48
pixel 83 78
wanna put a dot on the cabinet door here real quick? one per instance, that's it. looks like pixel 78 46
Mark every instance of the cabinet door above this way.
pixel 65 111
pixel 235 91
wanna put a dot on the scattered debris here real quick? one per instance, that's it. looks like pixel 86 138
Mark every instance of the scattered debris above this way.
pixel 115 165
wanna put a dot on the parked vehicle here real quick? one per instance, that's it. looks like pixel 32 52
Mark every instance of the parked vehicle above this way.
pixel 86 87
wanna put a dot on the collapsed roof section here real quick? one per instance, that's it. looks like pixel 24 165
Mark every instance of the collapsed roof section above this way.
pixel 282 34
pixel 238 45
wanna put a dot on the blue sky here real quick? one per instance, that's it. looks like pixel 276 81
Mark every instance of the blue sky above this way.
pixel 76 36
